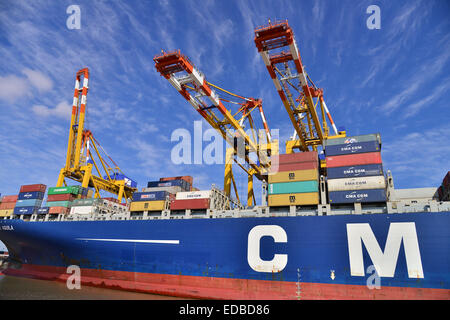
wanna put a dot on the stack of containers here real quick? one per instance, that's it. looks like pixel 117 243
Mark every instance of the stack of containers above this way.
pixel 294 180
pixel 149 201
pixel 194 200
pixel 444 189
pixel 355 170
pixel 59 199
pixel 29 199
pixel 182 184
pixel 7 205
pixel 96 205
pixel 188 179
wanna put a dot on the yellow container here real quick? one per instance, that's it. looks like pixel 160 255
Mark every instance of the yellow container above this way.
pixel 90 193
pixel 293 199
pixel 148 205
pixel 6 212
pixel 296 175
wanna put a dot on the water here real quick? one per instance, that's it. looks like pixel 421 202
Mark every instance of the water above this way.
pixel 16 288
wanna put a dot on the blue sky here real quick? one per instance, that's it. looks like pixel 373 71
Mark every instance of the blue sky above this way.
pixel 394 80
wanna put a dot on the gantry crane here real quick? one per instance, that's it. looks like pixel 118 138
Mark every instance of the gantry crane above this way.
pixel 257 146
pixel 80 160
pixel 279 51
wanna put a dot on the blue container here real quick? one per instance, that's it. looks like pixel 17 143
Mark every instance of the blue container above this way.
pixel 119 176
pixel 43 210
pixel 351 148
pixel 372 195
pixel 29 203
pixel 366 170
pixel 150 196
pixel 25 210
pixel 171 183
pixel 31 195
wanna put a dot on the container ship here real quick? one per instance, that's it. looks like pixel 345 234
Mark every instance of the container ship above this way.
pixel 331 224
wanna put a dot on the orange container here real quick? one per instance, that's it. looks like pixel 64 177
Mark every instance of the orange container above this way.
pixel 58 210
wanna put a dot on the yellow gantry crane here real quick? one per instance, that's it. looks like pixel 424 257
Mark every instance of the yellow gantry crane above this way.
pixel 254 146
pixel 80 160
pixel 300 97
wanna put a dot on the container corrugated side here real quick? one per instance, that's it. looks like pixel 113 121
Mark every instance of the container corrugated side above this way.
pixel 65 204
pixel 83 209
pixel 29 203
pixel 354 139
pixel 7 205
pixel 58 210
pixel 61 190
pixel 351 196
pixel 293 187
pixel 293 199
pixel 294 175
pixel 352 148
pixel 172 190
pixel 25 210
pixel 193 204
pixel 298 157
pixel 33 187
pixel 203 194
pixel 12 198
pixel 149 196
pixel 353 159
pixel 361 183
pixel 31 195
pixel 148 205
pixel 61 197
pixel 43 210
pixel 294 166
pixel 6 212
pixel 181 183
pixel 188 179
pixel 355 171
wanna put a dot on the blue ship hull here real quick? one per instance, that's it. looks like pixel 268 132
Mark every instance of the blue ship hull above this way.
pixel 376 256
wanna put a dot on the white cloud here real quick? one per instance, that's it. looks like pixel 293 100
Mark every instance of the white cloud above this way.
pixel 13 88
pixel 38 80
pixel 62 110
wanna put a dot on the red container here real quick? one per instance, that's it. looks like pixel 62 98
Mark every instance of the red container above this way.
pixel 294 166
pixel 33 187
pixel 61 197
pixel 354 159
pixel 7 205
pixel 189 204
pixel 297 157
pixel 111 199
pixel 188 179
pixel 446 181
pixel 58 210
pixel 10 198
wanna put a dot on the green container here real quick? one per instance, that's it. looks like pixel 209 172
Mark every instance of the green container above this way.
pixel 294 187
pixel 354 139
pixel 66 204
pixel 63 190
pixel 86 202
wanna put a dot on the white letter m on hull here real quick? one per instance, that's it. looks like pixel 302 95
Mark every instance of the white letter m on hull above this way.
pixel 384 262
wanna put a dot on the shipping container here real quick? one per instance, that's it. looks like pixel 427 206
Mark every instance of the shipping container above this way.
pixel 294 175
pixel 351 196
pixel 181 183
pixel 89 202
pixel 297 157
pixel 29 203
pixel 150 196
pixel 6 212
pixel 12 198
pixel 111 199
pixel 294 187
pixel 7 205
pixel 293 199
pixel 84 210
pixel 360 183
pixel 43 210
pixel 355 139
pixel 25 210
pixel 204 194
pixel 61 197
pixel 366 170
pixel 61 190
pixel 58 210
pixel 148 205
pixel 188 179
pixel 65 204
pixel 352 148
pixel 118 177
pixel 31 195
pixel 172 190
pixel 354 159
pixel 193 204
pixel 293 166
pixel 33 187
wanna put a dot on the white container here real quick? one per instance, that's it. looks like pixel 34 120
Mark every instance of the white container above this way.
pixel 205 194
pixel 83 210
pixel 360 183
pixel 173 189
